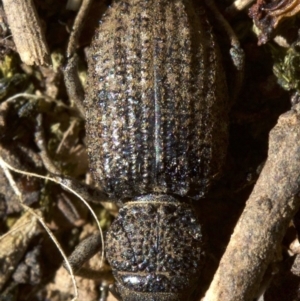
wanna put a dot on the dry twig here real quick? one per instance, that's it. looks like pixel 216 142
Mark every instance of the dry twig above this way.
pixel 260 230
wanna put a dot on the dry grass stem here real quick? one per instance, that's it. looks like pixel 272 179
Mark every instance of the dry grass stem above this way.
pixel 27 32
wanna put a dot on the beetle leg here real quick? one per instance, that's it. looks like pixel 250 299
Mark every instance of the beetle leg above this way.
pixel 236 52
pixel 114 291
pixel 91 194
pixel 104 290
pixel 77 27
pixel 83 252
pixel 72 82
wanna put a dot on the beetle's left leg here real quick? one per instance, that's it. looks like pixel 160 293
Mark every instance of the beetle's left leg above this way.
pixel 72 82
pixel 92 244
pixel 85 251
pixel 73 85
pixel 89 193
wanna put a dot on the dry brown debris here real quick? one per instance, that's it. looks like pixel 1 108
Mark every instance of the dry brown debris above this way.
pixel 267 15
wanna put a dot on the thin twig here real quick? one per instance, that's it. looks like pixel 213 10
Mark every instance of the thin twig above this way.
pixel 66 134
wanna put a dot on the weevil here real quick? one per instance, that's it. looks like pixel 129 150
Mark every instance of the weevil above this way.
pixel 201 245
pixel 156 111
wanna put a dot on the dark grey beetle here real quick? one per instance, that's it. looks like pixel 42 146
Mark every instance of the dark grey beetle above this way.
pixel 156 124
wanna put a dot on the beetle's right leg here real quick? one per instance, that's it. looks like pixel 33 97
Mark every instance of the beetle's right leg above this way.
pixel 236 52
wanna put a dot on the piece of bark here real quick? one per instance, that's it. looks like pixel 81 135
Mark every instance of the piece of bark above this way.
pixel 14 245
pixel 26 31
pixel 274 201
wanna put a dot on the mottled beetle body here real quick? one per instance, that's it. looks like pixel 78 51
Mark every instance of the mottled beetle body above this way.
pixel 156 111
